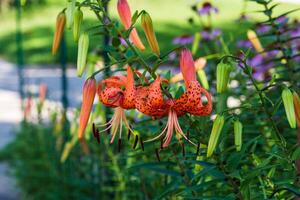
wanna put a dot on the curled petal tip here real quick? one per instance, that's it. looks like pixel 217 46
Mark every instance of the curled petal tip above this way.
pixel 187 66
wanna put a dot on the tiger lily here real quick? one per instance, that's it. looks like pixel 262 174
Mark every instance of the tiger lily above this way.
pixel 125 16
pixel 149 100
pixel 111 95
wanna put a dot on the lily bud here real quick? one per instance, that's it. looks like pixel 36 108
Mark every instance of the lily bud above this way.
pixel 150 34
pixel 215 133
pixel 125 16
pixel 297 107
pixel 59 30
pixel 223 74
pixel 70 13
pixel 255 41
pixel 83 47
pixel 238 131
pixel 78 16
pixel 88 96
pixel 287 98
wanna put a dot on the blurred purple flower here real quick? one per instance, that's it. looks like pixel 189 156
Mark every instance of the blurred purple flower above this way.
pixel 281 21
pixel 295 32
pixel 183 40
pixel 261 64
pixel 262 28
pixel 123 42
pixel 207 9
pixel 244 44
pixel 210 34
pixel 173 55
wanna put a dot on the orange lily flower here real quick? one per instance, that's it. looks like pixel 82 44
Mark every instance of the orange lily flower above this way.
pixel 125 16
pixel 191 101
pixel 150 101
pixel 113 96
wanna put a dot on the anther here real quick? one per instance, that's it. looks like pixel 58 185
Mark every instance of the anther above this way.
pixel 198 148
pixel 157 154
pixel 135 141
pixel 142 144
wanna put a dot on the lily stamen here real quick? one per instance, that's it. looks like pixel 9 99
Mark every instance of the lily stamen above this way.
pixel 168 130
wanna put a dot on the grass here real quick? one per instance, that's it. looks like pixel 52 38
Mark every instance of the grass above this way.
pixel 170 20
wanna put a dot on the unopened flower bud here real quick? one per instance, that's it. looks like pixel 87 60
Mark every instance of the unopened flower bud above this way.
pixel 255 41
pixel 238 131
pixel 78 16
pixel 296 100
pixel 223 74
pixel 70 13
pixel 83 47
pixel 149 32
pixel 88 95
pixel 287 98
pixel 215 133
pixel 59 30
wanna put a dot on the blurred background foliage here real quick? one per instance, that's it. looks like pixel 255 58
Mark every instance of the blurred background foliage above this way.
pixel 170 20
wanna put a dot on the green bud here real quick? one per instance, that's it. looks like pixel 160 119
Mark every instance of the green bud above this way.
pixel 70 13
pixel 223 74
pixel 288 102
pixel 238 131
pixel 83 46
pixel 147 26
pixel 78 16
pixel 215 133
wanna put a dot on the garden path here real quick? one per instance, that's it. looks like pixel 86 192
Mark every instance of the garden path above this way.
pixel 10 109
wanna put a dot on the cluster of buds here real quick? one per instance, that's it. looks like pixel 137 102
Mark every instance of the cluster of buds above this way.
pixel 72 17
pixel 121 93
pixel 217 130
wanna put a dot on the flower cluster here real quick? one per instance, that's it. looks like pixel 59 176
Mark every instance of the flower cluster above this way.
pixel 121 93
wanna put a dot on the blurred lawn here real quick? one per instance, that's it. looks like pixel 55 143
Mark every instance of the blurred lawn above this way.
pixel 170 18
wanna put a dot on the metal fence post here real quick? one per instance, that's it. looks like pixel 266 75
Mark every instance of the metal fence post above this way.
pixel 64 81
pixel 20 59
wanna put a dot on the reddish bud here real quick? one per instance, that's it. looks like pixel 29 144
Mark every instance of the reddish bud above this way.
pixel 59 30
pixel 89 91
pixel 125 16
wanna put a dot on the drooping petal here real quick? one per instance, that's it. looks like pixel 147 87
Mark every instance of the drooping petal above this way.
pixel 187 66
pixel 191 100
pixel 129 93
pixel 150 101
pixel 111 96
